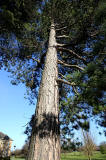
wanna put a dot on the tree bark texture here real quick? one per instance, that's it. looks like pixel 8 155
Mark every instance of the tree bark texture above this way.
pixel 45 139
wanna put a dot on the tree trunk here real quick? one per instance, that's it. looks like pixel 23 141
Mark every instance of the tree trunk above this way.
pixel 45 139
pixel 89 158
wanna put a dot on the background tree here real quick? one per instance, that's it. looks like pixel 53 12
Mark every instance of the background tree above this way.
pixel 25 149
pixel 102 147
pixel 89 145
pixel 77 39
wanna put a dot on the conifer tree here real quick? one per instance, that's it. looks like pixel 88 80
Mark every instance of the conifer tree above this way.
pixel 64 43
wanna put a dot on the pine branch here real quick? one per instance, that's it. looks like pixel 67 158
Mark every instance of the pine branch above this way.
pixel 6 49
pixel 75 90
pixel 63 23
pixel 62 36
pixel 59 29
pixel 38 61
pixel 69 65
pixel 27 46
pixel 62 76
pixel 72 52
pixel 66 82
pixel 95 33
pixel 63 45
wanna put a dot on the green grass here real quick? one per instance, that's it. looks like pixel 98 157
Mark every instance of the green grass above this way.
pixel 13 158
pixel 76 156
pixel 81 156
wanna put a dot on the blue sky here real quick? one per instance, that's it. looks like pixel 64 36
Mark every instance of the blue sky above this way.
pixel 15 112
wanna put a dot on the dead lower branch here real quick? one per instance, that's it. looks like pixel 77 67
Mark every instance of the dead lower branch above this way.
pixel 62 36
pixel 72 52
pixel 27 46
pixel 63 45
pixel 59 29
pixel 38 61
pixel 62 76
pixel 69 65
pixel 74 89
pixel 66 82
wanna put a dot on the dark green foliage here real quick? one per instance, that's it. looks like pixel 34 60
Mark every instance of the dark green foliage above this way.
pixel 28 129
pixel 68 146
pixel 14 13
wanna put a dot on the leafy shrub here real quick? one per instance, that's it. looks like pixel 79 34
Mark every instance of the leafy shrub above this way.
pixel 103 148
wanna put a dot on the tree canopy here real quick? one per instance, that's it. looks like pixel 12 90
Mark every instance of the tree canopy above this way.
pixel 80 33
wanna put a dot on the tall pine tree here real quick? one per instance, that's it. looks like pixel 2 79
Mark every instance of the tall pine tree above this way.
pixel 64 43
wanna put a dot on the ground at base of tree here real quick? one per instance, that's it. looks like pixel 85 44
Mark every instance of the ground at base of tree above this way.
pixel 76 156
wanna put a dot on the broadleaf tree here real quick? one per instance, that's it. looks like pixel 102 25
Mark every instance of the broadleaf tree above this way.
pixel 60 51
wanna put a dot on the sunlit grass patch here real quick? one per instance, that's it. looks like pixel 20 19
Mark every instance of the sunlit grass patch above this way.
pixel 76 156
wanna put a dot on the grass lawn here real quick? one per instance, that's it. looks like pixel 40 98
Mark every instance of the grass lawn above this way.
pixel 17 158
pixel 81 156
pixel 13 158
pixel 76 156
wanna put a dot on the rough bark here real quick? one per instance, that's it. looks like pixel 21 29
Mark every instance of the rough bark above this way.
pixel 45 142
